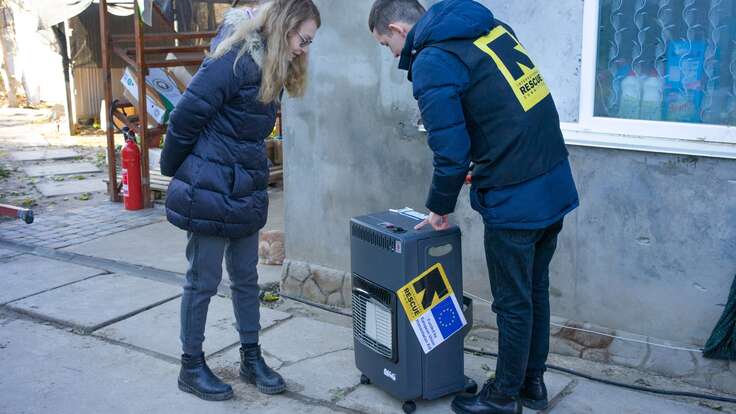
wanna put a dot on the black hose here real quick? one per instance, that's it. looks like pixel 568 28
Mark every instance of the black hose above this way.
pixel 556 368
pixel 621 384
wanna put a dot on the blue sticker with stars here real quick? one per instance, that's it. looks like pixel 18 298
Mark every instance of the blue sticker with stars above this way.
pixel 432 308
pixel 447 317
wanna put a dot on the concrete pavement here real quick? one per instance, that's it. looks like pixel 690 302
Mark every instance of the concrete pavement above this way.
pixel 94 340
pixel 89 323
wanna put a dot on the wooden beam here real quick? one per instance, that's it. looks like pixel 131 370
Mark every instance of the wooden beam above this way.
pixel 156 37
pixel 123 54
pixel 107 83
pixel 140 61
pixel 174 63
pixel 130 51
pixel 175 49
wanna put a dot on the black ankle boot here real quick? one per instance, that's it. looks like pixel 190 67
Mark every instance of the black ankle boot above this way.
pixel 533 393
pixel 196 378
pixel 253 370
pixel 487 401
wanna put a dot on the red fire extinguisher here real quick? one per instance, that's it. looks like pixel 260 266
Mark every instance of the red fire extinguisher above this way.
pixel 131 155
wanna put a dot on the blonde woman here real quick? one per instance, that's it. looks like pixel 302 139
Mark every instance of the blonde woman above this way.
pixel 214 151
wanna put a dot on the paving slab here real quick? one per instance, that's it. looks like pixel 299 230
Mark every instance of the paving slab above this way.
pixel 96 302
pixel 589 397
pixel 368 398
pixel 61 168
pixel 58 188
pixel 26 275
pixel 44 154
pixel 93 376
pixel 150 241
pixel 328 377
pixel 7 253
pixel 157 329
pixel 301 338
pixel 18 136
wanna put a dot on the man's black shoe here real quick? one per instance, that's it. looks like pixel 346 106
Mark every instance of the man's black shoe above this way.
pixel 487 401
pixel 533 393
pixel 196 378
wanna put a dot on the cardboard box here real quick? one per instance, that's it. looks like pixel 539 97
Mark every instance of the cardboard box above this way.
pixel 167 89
pixel 157 111
pixel 181 74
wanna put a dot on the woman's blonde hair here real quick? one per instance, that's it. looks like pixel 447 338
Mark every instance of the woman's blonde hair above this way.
pixel 274 21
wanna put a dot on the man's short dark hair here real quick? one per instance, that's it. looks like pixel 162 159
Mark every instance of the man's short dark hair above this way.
pixel 385 12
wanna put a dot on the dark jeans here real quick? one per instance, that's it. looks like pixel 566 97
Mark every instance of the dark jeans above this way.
pixel 518 268
pixel 205 255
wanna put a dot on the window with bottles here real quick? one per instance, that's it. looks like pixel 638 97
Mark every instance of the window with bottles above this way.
pixel 666 60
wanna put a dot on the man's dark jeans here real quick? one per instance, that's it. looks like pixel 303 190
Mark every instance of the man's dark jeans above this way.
pixel 518 268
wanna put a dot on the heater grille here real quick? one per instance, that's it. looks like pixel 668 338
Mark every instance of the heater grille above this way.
pixel 375 238
pixel 373 317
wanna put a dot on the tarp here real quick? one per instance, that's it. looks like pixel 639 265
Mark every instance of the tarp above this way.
pixel 722 342
pixel 51 12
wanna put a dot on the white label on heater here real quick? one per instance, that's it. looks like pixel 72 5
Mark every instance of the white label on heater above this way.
pixel 439 323
pixel 378 324
pixel 409 212
pixel 389 374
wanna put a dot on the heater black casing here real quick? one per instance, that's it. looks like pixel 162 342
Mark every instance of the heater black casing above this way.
pixel 386 253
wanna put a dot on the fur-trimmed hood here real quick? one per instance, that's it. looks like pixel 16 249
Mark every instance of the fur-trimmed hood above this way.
pixel 254 42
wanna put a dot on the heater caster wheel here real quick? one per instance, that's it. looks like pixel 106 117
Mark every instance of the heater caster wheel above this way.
pixel 364 380
pixel 409 407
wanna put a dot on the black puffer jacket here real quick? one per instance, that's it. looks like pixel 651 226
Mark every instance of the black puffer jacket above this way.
pixel 214 147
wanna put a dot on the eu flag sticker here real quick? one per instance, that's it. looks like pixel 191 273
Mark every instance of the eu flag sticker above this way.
pixel 448 316
pixel 432 308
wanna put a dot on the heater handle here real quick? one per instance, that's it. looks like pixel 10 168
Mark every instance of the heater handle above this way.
pixel 468 313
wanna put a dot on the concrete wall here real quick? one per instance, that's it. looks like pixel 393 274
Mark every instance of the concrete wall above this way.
pixel 652 250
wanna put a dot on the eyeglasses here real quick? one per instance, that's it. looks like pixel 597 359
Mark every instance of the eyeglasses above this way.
pixel 305 41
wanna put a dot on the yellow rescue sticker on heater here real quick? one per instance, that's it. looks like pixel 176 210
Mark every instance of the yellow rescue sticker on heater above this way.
pixel 516 66
pixel 425 291
pixel 432 308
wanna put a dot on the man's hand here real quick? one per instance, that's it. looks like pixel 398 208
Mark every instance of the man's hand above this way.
pixel 437 221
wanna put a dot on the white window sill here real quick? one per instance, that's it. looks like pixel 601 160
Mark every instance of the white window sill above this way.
pixel 578 136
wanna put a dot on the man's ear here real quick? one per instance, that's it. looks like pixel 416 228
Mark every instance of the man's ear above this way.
pixel 398 29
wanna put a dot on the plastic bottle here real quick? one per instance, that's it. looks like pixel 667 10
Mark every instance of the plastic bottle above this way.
pixel 630 105
pixel 651 97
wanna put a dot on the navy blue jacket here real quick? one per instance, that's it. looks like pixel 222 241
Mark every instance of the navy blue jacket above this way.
pixel 478 104
pixel 215 152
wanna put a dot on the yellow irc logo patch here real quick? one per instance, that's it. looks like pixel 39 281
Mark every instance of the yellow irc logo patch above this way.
pixel 425 291
pixel 514 63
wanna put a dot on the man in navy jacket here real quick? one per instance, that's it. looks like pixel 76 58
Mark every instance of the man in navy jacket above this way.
pixel 484 101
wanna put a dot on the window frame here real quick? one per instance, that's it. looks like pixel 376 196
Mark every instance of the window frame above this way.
pixel 656 136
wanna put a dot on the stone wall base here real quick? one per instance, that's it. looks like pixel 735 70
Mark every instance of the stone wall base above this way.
pixel 315 283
